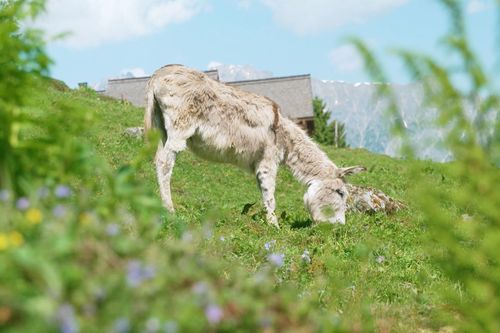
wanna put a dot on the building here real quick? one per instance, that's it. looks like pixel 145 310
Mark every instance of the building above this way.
pixel 292 93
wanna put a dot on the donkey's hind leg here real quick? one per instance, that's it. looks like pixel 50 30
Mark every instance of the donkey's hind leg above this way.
pixel 164 161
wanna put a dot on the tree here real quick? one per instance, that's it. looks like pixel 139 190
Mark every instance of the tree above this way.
pixel 332 133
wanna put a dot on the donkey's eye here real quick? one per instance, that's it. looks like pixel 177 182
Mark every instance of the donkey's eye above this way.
pixel 342 194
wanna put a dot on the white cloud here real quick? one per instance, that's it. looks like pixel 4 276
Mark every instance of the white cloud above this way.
pixel 346 59
pixel 477 6
pixel 228 73
pixel 314 16
pixel 94 22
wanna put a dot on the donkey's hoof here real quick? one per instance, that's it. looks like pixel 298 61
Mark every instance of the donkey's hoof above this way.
pixel 273 220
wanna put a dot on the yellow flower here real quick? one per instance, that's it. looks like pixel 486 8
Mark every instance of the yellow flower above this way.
pixel 34 216
pixel 4 242
pixel 85 218
pixel 16 239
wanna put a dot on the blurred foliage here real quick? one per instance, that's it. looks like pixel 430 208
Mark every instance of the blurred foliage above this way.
pixel 22 62
pixel 465 245
pixel 85 246
pixel 327 132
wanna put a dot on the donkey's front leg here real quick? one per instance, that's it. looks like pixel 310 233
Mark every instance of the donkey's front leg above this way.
pixel 266 178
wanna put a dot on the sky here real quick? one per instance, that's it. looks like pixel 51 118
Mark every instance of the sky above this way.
pixel 256 38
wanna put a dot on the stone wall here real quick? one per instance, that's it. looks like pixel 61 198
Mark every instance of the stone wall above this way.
pixel 292 93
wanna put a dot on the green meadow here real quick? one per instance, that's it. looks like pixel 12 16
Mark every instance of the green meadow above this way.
pixel 374 273
pixel 85 245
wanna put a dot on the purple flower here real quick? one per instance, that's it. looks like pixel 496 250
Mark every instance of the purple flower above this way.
pixel 277 259
pixel 152 325
pixel 269 245
pixel 200 288
pixel 266 322
pixel 171 327
pixel 4 195
pixel 121 325
pixel 22 203
pixel 66 319
pixel 213 313
pixel 59 211
pixel 62 191
pixel 43 192
pixel 380 259
pixel 112 229
pixel 148 272
pixel 137 273
pixel 305 257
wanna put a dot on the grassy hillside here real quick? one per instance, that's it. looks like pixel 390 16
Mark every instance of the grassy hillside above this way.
pixel 372 270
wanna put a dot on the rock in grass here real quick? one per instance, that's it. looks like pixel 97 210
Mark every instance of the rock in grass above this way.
pixel 134 132
pixel 371 200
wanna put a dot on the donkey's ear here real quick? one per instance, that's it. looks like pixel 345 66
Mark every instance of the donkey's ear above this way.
pixel 342 172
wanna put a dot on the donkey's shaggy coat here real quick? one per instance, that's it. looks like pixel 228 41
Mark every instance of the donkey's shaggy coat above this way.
pixel 225 124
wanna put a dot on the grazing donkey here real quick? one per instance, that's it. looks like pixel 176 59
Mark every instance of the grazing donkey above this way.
pixel 225 124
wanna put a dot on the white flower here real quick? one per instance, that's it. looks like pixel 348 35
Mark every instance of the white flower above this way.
pixel 305 257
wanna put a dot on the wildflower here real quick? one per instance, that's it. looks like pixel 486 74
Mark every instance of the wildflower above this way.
pixel 85 218
pixel 222 238
pixel 200 288
pixel 269 245
pixel 207 231
pixel 16 239
pixel 152 325
pixel 62 191
pixel 305 257
pixel 138 273
pixel 43 192
pixel 266 323
pixel 112 229
pixel 187 237
pixel 66 319
pixel 12 239
pixel 99 294
pixel 466 217
pixel 34 216
pixel 22 203
pixel 4 242
pixel 121 325
pixel 59 210
pixel 380 259
pixel 4 195
pixel 277 259
pixel 213 313
pixel 171 327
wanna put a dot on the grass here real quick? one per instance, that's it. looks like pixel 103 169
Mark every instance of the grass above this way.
pixel 374 262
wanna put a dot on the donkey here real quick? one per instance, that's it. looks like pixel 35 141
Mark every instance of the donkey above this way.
pixel 225 124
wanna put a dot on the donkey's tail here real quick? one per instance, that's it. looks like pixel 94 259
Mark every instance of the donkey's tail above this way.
pixel 149 113
pixel 153 117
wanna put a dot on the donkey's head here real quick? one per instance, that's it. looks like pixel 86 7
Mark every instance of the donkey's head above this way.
pixel 326 199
